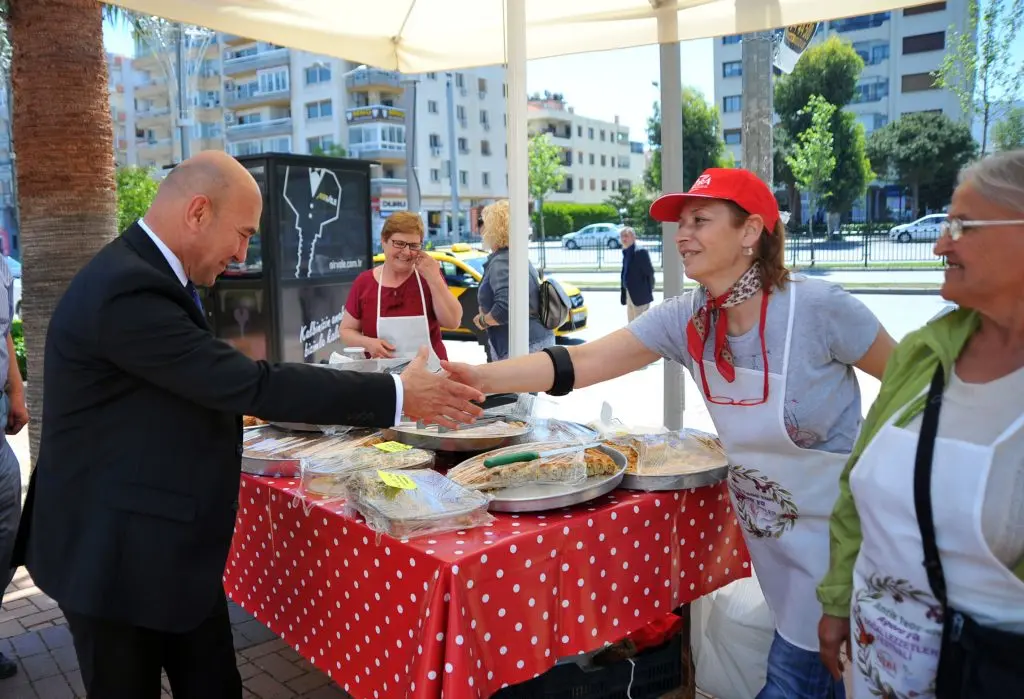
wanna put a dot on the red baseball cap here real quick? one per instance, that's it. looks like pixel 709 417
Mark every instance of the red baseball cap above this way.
pixel 742 187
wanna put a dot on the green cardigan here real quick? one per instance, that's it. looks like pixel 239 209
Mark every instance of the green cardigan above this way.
pixel 907 375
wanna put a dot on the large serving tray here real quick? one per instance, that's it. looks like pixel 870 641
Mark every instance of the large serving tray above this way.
pixel 262 449
pixel 540 497
pixel 682 481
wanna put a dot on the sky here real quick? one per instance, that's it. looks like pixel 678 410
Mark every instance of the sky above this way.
pixel 599 85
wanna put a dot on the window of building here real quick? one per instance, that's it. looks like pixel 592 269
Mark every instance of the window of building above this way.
pixel 604 161
pixel 319 143
pixel 273 81
pixel 733 39
pixel 580 184
pixel 485 178
pixel 460 80
pixel 871 90
pixel 579 132
pixel 604 185
pixel 435 174
pixel 463 177
pixel 431 76
pixel 590 133
pixel 872 53
pixel 579 159
pixel 920 43
pixel 319 110
pixel 463 145
pixel 732 69
pixel 602 134
pixel 623 137
pixel 733 137
pixel 593 184
pixel 485 118
pixel 851 24
pixel 481 86
pixel 924 9
pixel 613 161
pixel 460 114
pixel 318 74
pixel 732 103
pixel 435 140
pixel 591 158
pixel 432 106
pixel 485 147
pixel 918 82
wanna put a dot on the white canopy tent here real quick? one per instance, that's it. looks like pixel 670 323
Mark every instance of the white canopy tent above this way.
pixel 416 36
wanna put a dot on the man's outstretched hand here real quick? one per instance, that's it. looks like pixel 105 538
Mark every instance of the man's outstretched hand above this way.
pixel 435 398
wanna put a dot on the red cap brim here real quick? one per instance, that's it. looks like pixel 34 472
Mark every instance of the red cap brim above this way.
pixel 667 207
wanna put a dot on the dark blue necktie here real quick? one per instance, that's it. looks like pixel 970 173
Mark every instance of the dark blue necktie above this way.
pixel 195 295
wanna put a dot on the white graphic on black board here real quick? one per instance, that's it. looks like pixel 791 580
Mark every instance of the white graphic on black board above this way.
pixel 324 207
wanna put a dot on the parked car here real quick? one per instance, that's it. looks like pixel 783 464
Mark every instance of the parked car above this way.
pixel 924 228
pixel 14 266
pixel 596 235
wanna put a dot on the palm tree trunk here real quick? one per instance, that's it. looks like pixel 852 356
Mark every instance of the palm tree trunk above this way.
pixel 63 137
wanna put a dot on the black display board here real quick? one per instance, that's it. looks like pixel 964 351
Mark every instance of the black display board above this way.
pixel 285 301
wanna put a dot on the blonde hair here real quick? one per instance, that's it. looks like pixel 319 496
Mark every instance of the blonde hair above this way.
pixel 770 250
pixel 402 222
pixel 497 221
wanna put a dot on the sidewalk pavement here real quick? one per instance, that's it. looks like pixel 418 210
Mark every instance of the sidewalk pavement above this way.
pixel 33 631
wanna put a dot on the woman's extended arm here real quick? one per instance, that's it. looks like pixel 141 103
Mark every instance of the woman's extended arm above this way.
pixel 593 362
pixel 875 359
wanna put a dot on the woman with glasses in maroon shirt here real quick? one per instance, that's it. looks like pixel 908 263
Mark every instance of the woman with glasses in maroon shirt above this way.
pixel 400 306
pixel 773 356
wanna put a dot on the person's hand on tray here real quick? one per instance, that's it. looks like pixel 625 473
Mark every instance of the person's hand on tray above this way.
pixel 438 398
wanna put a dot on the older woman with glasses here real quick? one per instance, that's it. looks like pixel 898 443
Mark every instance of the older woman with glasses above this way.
pixel 395 309
pixel 937 476
pixel 774 358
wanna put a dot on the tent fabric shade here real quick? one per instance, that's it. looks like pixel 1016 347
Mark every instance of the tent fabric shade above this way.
pixel 416 36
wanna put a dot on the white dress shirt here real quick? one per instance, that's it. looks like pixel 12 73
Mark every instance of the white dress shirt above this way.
pixel 179 272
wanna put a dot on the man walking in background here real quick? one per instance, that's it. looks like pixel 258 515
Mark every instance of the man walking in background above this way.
pixel 637 282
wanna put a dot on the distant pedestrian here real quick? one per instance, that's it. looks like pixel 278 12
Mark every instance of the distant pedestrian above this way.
pixel 636 289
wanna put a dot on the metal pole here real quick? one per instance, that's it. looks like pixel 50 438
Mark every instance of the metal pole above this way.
pixel 671 181
pixel 758 105
pixel 453 167
pixel 518 192
pixel 412 181
pixel 183 120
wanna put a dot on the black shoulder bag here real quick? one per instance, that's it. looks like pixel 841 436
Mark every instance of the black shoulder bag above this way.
pixel 975 662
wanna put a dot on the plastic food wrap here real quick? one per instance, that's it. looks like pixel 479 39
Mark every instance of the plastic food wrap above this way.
pixel 676 453
pixel 326 476
pixel 339 362
pixel 570 469
pixel 414 502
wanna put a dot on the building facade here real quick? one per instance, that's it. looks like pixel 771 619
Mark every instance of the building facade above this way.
pixel 901 50
pixel 598 156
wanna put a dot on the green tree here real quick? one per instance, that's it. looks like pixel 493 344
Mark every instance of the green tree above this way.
pixel 333 151
pixel 634 205
pixel 782 146
pixel 830 71
pixel 923 151
pixel 702 142
pixel 814 161
pixel 1008 134
pixel 135 191
pixel 979 64
pixel 546 174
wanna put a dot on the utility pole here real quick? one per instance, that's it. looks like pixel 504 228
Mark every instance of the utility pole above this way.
pixel 184 122
pixel 758 105
pixel 412 180
pixel 453 163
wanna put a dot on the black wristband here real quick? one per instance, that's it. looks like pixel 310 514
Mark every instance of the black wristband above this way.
pixel 565 374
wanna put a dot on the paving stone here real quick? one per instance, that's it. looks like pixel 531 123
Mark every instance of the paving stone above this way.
pixel 307 682
pixel 331 691
pixel 40 666
pixel 266 687
pixel 54 688
pixel 27 645
pixel 23 691
pixel 278 668
pixel 264 648
pixel 28 609
pixel 11 629
pixel 247 670
pixel 57 637
pixel 40 617
pixel 255 631
pixel 65 658
pixel 22 593
pixel 74 679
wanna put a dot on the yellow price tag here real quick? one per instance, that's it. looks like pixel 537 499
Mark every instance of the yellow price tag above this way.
pixel 392 447
pixel 397 480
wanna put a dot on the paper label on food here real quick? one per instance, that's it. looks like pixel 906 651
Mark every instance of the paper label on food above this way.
pixel 392 447
pixel 397 480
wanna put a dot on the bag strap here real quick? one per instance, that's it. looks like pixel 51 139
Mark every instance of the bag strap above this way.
pixel 922 485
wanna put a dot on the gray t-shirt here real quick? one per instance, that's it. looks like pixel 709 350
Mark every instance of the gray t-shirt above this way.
pixel 831 331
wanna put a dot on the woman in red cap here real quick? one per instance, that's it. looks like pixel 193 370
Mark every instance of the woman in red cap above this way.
pixel 774 357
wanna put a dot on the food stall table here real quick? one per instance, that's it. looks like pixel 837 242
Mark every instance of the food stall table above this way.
pixel 465 613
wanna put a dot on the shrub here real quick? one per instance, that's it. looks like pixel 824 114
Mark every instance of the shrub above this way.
pixel 17 334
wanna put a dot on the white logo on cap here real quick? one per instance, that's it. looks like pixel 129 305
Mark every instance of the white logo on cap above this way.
pixel 703 182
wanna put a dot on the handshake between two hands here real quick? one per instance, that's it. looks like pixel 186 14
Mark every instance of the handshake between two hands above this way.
pixel 448 398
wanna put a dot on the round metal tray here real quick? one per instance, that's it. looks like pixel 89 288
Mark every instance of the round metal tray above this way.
pixel 296 426
pixel 453 441
pixel 267 464
pixel 539 497
pixel 683 481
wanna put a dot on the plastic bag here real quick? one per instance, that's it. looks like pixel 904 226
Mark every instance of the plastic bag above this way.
pixel 610 427
pixel 685 451
pixel 570 469
pixel 326 475
pixel 414 502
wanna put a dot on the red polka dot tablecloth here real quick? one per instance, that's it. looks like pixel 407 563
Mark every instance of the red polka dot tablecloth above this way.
pixel 463 614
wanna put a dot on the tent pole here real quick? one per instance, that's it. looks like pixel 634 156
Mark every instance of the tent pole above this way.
pixel 671 181
pixel 519 248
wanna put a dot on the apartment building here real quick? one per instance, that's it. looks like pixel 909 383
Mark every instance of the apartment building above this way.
pixel 598 157
pixel 120 77
pixel 901 50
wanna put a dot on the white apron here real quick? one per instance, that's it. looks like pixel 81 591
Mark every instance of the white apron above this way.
pixel 783 494
pixel 896 629
pixel 407 333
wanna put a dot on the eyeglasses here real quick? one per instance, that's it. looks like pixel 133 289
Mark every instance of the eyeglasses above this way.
pixel 743 402
pixel 954 227
pixel 402 245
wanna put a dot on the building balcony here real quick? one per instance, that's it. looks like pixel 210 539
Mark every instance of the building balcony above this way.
pixel 154 86
pixel 212 143
pixel 381 151
pixel 158 113
pixel 259 61
pixel 556 135
pixel 260 129
pixel 375 113
pixel 240 99
pixel 154 143
pixel 623 163
pixel 373 79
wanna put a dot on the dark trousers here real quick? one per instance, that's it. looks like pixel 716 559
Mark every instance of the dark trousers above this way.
pixel 120 661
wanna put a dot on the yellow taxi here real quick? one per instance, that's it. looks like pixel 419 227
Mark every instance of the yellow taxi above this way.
pixel 463 268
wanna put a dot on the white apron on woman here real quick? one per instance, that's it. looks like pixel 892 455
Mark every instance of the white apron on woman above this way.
pixel 407 333
pixel 783 494
pixel 896 625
